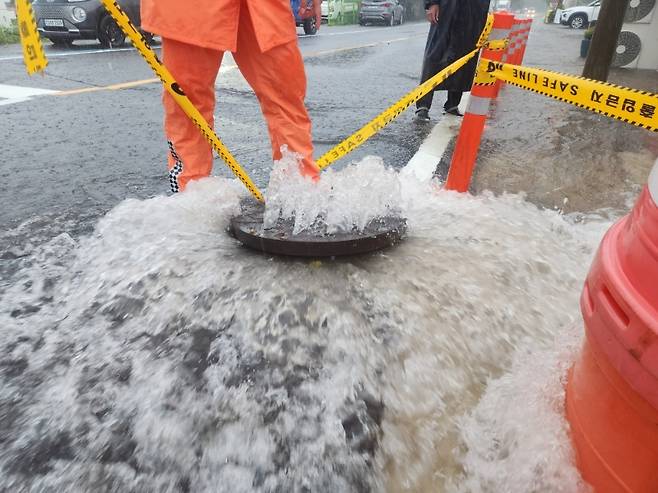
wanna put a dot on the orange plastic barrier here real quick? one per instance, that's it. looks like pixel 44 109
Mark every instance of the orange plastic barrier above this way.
pixel 482 92
pixel 612 392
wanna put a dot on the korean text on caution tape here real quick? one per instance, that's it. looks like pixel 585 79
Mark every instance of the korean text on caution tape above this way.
pixel 179 96
pixel 33 54
pixel 639 108
pixel 388 115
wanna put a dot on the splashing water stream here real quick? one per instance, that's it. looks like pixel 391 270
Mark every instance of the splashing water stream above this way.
pixel 156 354
pixel 340 201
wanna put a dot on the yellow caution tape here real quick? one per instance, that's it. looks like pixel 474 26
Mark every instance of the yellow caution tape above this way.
pixel 179 96
pixel 636 107
pixel 33 54
pixel 484 35
pixel 391 113
pixel 497 44
pixel 482 76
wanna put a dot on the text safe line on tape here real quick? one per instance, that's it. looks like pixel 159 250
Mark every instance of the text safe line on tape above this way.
pixel 629 105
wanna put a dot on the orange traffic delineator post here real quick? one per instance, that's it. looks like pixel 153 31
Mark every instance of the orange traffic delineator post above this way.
pixel 515 32
pixel 513 39
pixel 612 391
pixel 483 91
pixel 518 41
pixel 526 26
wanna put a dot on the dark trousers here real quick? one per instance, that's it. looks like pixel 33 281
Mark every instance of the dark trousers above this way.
pixel 429 70
pixel 454 98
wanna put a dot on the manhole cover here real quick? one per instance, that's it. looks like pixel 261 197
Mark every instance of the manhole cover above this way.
pixel 379 233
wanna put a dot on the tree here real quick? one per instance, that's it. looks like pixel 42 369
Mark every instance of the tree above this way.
pixel 604 41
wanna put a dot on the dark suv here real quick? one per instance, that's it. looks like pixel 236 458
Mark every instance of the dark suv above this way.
pixel 63 21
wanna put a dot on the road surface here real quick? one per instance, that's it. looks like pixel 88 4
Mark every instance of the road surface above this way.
pixel 97 138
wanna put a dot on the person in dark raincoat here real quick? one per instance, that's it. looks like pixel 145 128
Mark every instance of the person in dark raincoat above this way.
pixel 454 31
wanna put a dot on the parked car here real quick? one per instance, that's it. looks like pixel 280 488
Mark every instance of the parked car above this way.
pixel 307 23
pixel 581 16
pixel 388 12
pixel 342 11
pixel 324 7
pixel 502 5
pixel 63 21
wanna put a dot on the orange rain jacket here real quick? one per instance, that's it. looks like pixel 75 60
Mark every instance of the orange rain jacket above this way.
pixel 214 23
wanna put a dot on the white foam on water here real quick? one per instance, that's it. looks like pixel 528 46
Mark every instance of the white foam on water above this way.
pixel 157 354
pixel 342 201
pixel 516 438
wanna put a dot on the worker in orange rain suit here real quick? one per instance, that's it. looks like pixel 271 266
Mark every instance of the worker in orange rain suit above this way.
pixel 263 39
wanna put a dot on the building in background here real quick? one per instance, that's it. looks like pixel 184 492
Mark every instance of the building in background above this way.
pixel 7 13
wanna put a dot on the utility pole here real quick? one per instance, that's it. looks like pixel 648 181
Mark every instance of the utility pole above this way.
pixel 604 41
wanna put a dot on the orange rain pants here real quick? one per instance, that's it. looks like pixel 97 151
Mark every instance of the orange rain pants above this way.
pixel 276 75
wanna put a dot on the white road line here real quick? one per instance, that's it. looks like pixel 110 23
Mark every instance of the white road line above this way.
pixel 18 94
pixel 6 102
pixel 11 92
pixel 423 164
pixel 322 33
pixel 158 47
pixel 76 53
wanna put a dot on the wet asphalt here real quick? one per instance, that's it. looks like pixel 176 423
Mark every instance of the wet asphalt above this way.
pixel 81 153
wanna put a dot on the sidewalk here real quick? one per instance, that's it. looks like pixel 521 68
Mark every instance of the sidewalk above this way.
pixel 562 156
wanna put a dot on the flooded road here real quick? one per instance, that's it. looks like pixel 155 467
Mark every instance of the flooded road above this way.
pixel 156 354
pixel 143 349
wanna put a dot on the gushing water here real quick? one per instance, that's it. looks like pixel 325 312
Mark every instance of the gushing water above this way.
pixel 341 201
pixel 156 354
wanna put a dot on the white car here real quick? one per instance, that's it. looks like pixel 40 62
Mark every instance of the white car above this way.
pixel 324 6
pixel 580 17
pixel 502 5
